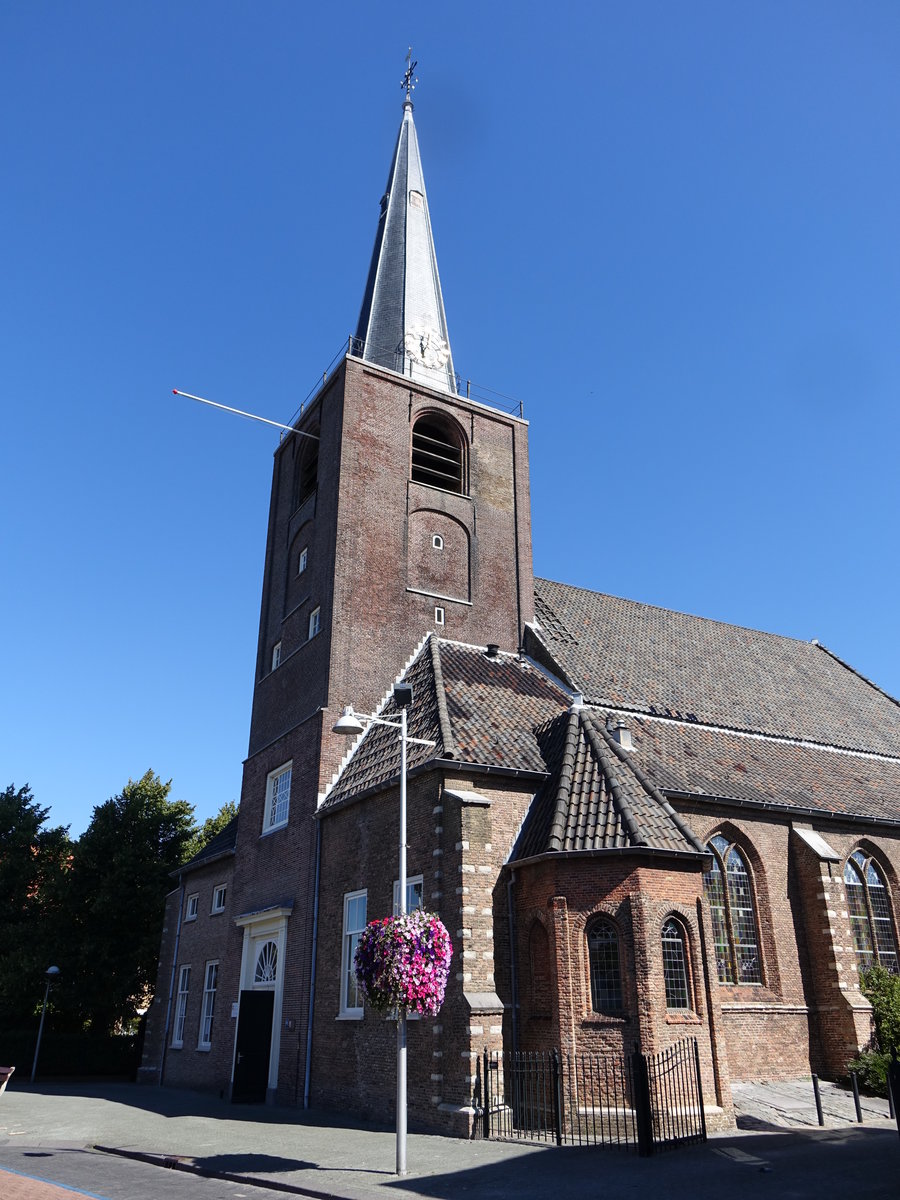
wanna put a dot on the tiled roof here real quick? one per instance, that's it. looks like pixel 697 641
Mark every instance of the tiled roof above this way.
pixel 634 656
pixel 683 757
pixel 598 798
pixel 476 709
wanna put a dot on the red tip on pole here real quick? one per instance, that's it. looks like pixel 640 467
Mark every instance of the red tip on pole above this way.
pixel 174 391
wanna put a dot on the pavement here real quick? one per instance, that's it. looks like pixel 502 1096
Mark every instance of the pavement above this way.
pixel 778 1149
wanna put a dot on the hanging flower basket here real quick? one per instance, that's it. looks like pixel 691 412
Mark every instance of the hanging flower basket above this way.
pixel 402 963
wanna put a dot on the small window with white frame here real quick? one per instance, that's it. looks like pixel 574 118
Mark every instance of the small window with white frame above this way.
pixel 438 615
pixel 210 984
pixel 218 900
pixel 437 541
pixel 193 907
pixel 415 894
pixel 184 986
pixel 315 622
pixel 303 560
pixel 354 924
pixel 276 655
pixel 278 798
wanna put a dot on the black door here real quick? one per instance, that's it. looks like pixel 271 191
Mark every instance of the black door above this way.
pixel 254 1037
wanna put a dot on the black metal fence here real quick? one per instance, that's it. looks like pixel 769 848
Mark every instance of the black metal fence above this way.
pixel 649 1102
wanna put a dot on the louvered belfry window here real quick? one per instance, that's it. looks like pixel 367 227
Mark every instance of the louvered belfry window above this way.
pixel 437 458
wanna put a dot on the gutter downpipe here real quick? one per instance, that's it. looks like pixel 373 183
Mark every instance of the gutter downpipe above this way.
pixel 514 984
pixel 162 1065
pixel 312 972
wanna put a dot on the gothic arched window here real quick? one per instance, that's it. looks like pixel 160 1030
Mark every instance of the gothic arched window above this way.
pixel 729 892
pixel 603 958
pixel 437 454
pixel 870 914
pixel 675 965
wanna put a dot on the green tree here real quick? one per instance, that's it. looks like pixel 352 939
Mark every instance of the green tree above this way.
pixel 34 862
pixel 210 827
pixel 882 989
pixel 121 872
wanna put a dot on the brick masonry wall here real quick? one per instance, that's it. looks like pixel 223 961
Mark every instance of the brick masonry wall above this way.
pixel 636 894
pixel 455 847
pixel 809 1013
pixel 205 939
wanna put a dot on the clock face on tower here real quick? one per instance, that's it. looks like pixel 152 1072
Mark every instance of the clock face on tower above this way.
pixel 426 346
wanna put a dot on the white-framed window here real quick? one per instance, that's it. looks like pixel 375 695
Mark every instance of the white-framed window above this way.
pixel 315 622
pixel 415 894
pixel 266 970
pixel 193 907
pixel 210 983
pixel 303 560
pixel 276 655
pixel 354 924
pixel 437 541
pixel 278 798
pixel 438 615
pixel 184 986
pixel 218 900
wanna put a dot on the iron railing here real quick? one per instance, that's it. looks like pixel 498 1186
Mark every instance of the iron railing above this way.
pixel 646 1102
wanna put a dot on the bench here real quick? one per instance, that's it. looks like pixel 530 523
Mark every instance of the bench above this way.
pixel 5 1073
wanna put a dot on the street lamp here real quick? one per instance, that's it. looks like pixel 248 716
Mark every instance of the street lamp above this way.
pixel 351 723
pixel 51 975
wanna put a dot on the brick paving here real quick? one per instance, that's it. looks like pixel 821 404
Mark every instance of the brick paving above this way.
pixel 14 1186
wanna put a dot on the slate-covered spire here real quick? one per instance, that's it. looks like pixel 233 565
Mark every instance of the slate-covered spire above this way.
pixel 402 324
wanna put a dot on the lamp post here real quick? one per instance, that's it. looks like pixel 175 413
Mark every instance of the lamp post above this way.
pixel 351 723
pixel 51 975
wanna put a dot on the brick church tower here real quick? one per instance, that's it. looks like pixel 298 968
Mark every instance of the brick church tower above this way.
pixel 398 508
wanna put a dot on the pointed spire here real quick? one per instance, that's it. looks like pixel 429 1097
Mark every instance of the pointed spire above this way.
pixel 402 324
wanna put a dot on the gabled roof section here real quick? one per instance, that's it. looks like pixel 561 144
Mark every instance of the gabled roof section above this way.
pixel 402 324
pixel 598 798
pixel 650 660
pixel 479 711
pixel 217 847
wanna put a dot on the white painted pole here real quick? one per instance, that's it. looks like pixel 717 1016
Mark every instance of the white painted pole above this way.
pixel 401 1016
pixel 240 413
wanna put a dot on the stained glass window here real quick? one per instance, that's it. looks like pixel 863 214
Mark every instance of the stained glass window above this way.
pixel 871 921
pixel 729 893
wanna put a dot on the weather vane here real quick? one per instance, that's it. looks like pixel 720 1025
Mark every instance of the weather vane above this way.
pixel 409 79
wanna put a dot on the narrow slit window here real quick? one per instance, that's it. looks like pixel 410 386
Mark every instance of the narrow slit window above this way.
pixel 675 967
pixel 315 622
pixel 437 541
pixel 303 560
pixel 603 959
pixel 438 616
pixel 276 655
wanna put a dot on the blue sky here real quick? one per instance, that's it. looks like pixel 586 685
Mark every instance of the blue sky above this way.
pixel 670 230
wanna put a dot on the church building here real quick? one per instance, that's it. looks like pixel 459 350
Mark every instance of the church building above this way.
pixel 636 825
